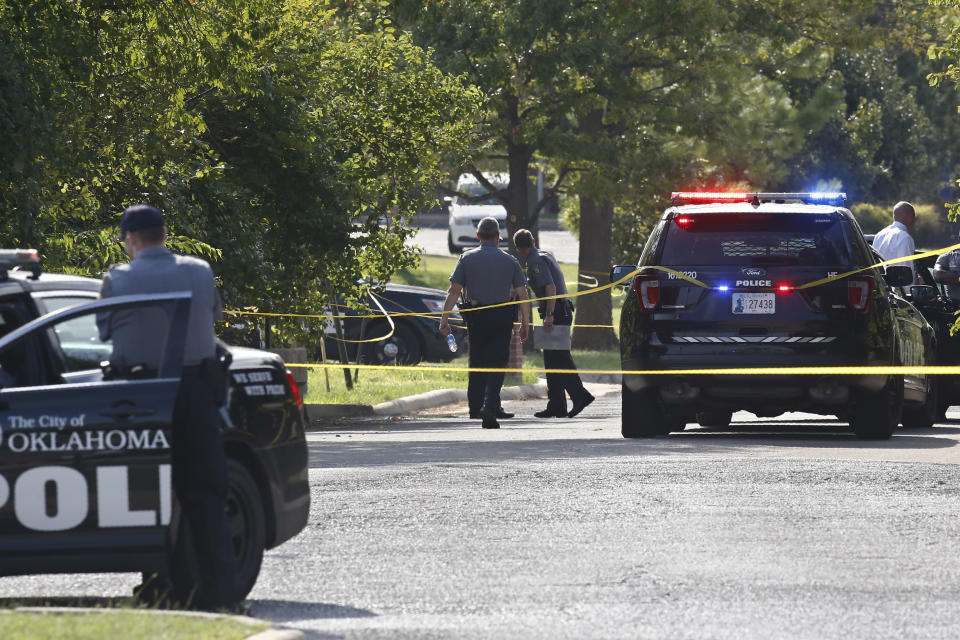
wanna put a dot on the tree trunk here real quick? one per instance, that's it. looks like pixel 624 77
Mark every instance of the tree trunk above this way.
pixel 594 309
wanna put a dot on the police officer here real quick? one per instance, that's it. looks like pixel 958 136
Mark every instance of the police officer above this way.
pixel 199 464
pixel 947 272
pixel 546 280
pixel 489 276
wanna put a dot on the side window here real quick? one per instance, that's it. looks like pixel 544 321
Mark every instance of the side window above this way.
pixel 79 338
pixel 650 247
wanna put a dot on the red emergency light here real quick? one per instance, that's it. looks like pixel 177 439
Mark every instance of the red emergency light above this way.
pixel 694 197
pixel 757 197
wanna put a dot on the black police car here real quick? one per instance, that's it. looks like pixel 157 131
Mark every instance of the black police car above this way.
pixel 733 295
pixel 941 312
pixel 415 337
pixel 85 460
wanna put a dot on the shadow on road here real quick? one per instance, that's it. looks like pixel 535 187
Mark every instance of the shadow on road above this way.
pixel 291 611
pixel 361 448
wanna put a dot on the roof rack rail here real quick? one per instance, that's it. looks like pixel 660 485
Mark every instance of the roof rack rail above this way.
pixel 26 259
pixel 836 198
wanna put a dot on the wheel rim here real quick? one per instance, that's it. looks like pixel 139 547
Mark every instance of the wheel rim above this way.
pixel 239 521
pixel 408 350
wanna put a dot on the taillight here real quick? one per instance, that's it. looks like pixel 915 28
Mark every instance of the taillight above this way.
pixel 647 287
pixel 859 289
pixel 294 388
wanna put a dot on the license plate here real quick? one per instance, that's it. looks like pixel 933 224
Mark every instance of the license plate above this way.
pixel 754 303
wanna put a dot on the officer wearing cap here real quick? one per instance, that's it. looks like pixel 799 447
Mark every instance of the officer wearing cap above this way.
pixel 488 276
pixel 947 272
pixel 546 280
pixel 199 464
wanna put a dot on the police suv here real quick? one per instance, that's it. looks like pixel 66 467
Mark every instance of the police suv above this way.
pixel 732 280
pixel 85 460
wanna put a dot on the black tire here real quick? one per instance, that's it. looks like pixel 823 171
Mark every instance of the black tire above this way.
pixel 875 415
pixel 246 522
pixel 452 248
pixel 405 338
pixel 643 415
pixel 924 416
pixel 715 419
pixel 248 526
pixel 943 398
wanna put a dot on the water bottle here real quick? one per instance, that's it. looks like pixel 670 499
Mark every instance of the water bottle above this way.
pixel 451 342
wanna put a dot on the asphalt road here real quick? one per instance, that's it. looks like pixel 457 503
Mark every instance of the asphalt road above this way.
pixel 431 527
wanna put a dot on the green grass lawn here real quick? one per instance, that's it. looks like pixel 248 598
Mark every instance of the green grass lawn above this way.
pixel 379 385
pixel 129 625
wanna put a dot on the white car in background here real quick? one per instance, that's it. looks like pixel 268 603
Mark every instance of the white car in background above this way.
pixel 465 215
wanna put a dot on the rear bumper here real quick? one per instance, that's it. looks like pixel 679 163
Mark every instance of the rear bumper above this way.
pixel 761 392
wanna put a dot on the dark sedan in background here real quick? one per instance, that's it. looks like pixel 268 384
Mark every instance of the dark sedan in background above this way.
pixel 415 337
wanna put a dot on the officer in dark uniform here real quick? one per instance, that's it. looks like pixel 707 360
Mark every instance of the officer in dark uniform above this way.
pixel 489 276
pixel 947 272
pixel 199 463
pixel 546 280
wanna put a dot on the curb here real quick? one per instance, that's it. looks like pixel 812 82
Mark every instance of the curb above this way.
pixel 440 397
pixel 268 634
pixel 278 634
pixel 315 411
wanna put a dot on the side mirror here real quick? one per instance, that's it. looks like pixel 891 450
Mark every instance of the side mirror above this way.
pixel 620 271
pixel 923 293
pixel 898 276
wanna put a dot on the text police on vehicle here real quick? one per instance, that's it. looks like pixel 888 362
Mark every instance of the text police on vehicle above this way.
pixel 741 302
pixel 85 459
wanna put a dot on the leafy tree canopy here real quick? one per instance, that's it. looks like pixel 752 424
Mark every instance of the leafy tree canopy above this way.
pixel 274 134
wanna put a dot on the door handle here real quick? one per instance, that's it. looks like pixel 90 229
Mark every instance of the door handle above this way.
pixel 127 412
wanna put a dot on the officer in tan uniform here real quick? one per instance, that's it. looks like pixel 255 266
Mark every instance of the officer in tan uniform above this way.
pixel 488 276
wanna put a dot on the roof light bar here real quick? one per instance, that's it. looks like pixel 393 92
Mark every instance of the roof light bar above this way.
pixel 756 197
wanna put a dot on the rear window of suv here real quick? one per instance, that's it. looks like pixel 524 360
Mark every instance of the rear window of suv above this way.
pixel 786 239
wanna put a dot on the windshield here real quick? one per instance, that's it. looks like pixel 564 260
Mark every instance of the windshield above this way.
pixel 755 239
pixel 477 189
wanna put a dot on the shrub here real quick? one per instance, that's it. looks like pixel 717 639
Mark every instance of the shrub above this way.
pixel 930 232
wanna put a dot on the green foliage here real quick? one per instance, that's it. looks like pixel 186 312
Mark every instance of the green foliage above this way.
pixel 929 232
pixel 276 135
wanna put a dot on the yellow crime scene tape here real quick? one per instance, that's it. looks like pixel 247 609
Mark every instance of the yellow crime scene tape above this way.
pixel 732 371
pixel 593 289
